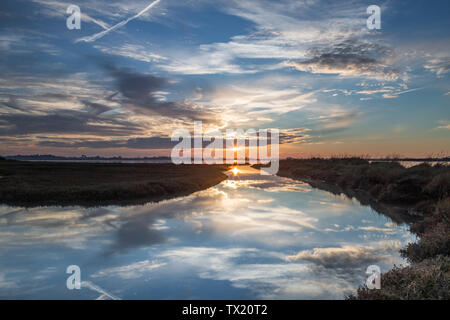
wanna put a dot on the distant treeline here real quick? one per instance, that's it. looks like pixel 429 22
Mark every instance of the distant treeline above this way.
pixel 50 157
pixel 430 159
pixel 413 159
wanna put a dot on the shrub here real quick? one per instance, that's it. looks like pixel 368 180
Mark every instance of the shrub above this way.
pixel 429 279
pixel 439 186
pixel 435 241
pixel 442 211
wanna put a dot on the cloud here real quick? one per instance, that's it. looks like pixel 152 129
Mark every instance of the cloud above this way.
pixel 7 284
pixel 131 143
pixel 139 93
pixel 286 136
pixel 349 59
pixel 262 101
pixel 46 225
pixel 132 51
pixel 350 256
pixel 440 66
pixel 118 25
pixel 374 91
pixel 279 31
pixel 395 94
pixel 335 119
pixel 65 121
pixel 390 96
pixel 19 41
pixel 294 135
pixel 445 125
pixel 274 280
pixel 131 271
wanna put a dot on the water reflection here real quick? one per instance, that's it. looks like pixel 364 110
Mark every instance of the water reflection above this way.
pixel 249 237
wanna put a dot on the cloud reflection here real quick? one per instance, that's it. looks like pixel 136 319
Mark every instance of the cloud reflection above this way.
pixel 271 237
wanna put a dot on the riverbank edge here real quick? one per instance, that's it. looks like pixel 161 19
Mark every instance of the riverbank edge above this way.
pixel 428 216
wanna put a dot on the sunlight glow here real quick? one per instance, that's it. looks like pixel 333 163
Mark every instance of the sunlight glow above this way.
pixel 235 171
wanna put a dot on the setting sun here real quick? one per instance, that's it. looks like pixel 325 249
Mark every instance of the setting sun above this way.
pixel 235 171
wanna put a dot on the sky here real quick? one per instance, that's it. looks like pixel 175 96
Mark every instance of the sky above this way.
pixel 137 70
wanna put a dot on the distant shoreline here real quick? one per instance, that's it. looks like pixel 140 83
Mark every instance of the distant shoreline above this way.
pixel 82 158
pixel 165 159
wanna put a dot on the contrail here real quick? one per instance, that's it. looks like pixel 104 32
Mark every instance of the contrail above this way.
pixel 120 24
pixel 410 90
pixel 103 293
pixel 396 94
pixel 98 22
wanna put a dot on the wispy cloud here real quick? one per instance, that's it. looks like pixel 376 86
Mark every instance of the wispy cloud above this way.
pixel 131 271
pixel 440 66
pixel 394 95
pixel 132 51
pixel 445 125
pixel 56 9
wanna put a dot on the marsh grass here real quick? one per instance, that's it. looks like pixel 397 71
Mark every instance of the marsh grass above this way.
pixel 429 279
pixel 94 184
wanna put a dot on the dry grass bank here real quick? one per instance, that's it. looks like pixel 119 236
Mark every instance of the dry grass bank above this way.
pixel 94 184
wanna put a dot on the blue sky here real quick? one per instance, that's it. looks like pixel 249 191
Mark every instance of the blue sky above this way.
pixel 310 68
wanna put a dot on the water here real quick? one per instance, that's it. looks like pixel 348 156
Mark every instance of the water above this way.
pixel 250 237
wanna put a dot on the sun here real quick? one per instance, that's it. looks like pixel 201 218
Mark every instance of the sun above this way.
pixel 235 171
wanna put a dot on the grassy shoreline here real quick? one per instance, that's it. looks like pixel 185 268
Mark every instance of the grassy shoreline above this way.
pixel 419 196
pixel 31 184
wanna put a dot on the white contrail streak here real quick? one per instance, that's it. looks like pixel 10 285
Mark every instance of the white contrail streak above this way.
pixel 118 25
pixel 102 24
pixel 410 90
pixel 103 293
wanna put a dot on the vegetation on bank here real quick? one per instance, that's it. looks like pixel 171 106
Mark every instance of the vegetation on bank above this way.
pixel 420 196
pixel 32 184
pixel 418 187
pixel 428 279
